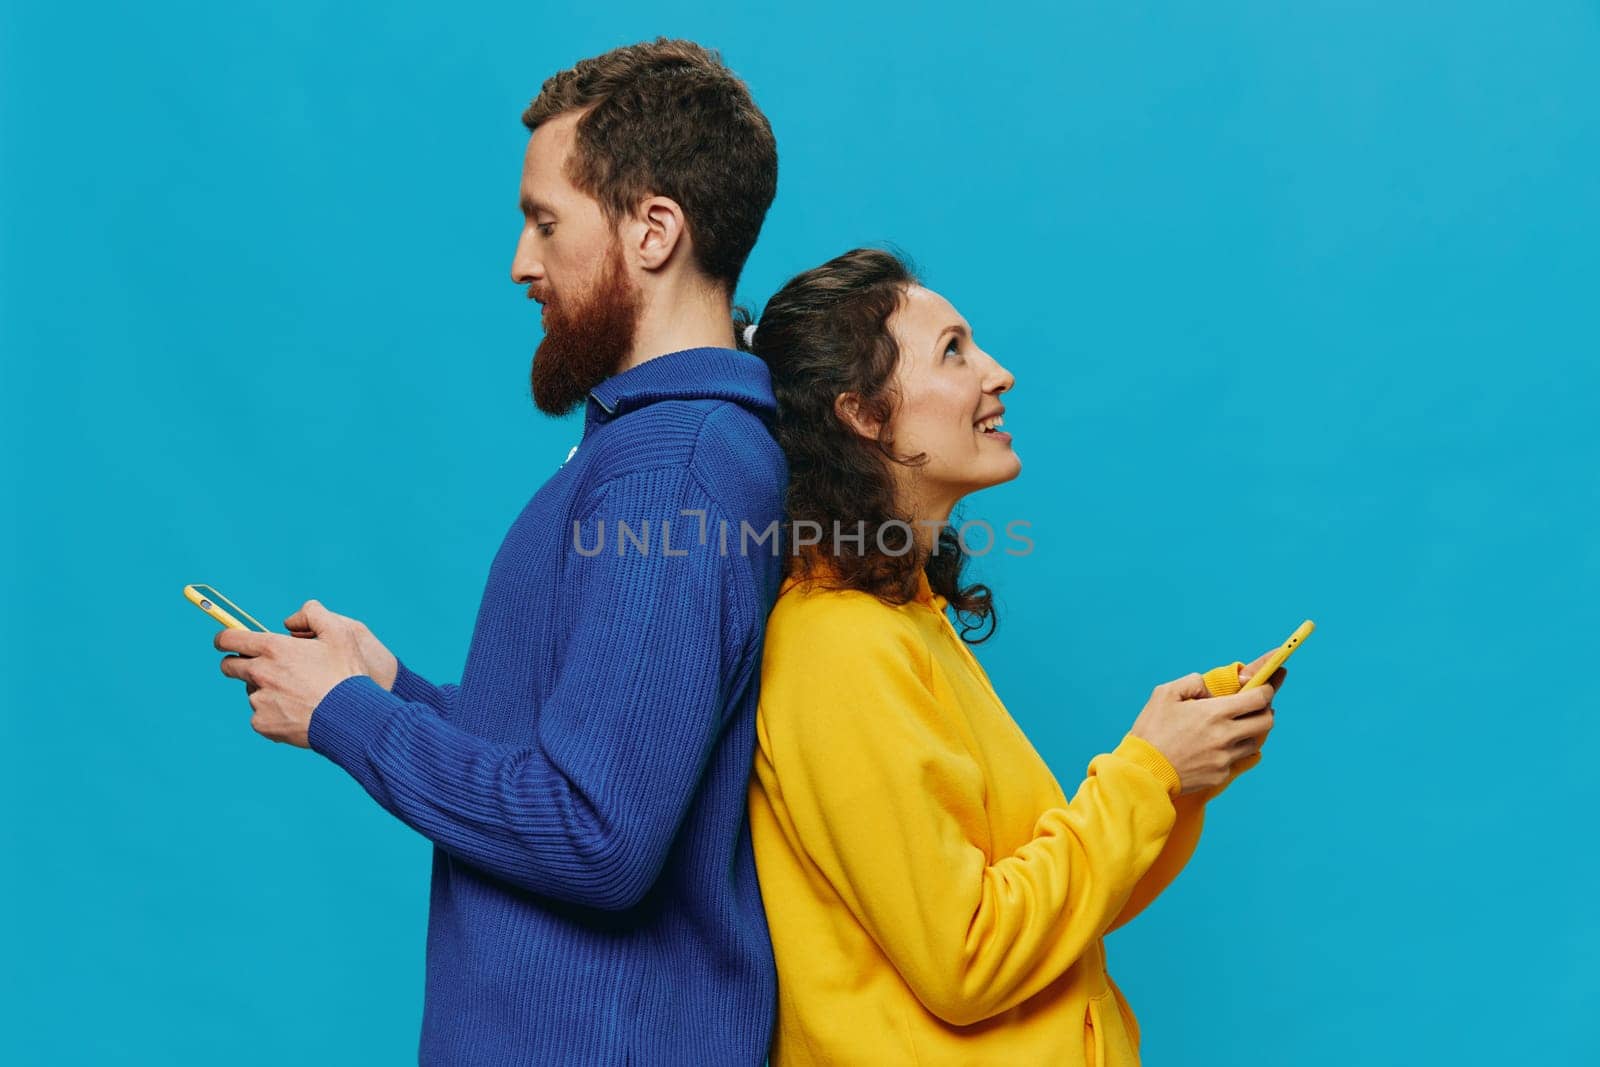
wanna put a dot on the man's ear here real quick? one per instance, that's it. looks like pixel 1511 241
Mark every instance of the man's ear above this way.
pixel 850 411
pixel 661 230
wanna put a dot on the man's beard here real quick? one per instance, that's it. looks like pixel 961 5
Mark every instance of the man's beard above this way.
pixel 586 337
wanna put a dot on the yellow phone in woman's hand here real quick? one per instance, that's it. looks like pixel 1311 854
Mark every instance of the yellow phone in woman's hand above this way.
pixel 1284 651
pixel 222 609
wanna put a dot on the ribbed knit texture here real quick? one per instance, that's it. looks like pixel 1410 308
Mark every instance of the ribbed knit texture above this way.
pixel 1224 680
pixel 594 896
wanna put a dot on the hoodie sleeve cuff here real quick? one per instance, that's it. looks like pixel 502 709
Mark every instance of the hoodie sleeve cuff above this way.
pixel 1137 750
pixel 349 719
pixel 1224 680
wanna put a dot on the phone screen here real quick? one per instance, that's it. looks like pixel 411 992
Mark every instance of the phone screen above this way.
pixel 217 599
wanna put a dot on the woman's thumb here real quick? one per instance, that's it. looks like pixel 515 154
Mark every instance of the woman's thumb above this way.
pixel 1189 687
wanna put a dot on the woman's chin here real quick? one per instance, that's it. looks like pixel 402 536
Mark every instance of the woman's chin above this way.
pixel 1013 468
pixel 998 473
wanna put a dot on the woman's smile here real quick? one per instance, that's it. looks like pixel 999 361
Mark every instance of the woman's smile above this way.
pixel 989 426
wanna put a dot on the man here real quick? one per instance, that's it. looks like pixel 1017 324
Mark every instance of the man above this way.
pixel 594 896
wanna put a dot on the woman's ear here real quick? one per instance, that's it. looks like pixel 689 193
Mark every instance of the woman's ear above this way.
pixel 851 412
pixel 661 230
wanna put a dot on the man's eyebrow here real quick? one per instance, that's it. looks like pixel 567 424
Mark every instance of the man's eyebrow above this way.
pixel 531 207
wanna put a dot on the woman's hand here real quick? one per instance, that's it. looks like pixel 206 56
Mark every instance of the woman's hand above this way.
pixel 1202 736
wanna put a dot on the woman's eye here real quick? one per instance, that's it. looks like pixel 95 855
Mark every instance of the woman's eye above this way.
pixel 954 347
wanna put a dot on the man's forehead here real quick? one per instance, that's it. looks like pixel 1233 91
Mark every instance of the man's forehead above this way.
pixel 532 205
pixel 553 138
pixel 543 163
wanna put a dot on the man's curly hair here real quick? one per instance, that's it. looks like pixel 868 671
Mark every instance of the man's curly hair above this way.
pixel 667 118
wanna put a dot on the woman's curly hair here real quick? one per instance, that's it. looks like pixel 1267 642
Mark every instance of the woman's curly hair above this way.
pixel 826 332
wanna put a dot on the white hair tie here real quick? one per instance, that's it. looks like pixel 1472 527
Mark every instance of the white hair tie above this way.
pixel 750 335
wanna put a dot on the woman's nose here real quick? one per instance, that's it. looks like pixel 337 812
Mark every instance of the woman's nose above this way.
pixel 999 379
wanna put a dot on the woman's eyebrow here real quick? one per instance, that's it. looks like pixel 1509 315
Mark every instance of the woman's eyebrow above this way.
pixel 959 329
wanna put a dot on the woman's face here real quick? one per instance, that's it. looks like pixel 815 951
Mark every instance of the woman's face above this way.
pixel 949 406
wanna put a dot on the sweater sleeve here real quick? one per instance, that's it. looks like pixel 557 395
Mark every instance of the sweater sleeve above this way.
pixel 413 687
pixel 1175 854
pixel 886 800
pixel 587 812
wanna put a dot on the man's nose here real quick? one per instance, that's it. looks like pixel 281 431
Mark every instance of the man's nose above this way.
pixel 525 266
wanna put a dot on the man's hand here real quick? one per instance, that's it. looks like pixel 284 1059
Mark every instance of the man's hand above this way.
pixel 287 678
pixel 314 620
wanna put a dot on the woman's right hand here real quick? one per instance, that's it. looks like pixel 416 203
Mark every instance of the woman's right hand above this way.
pixel 1202 736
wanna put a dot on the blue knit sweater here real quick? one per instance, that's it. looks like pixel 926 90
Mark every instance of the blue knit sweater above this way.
pixel 594 895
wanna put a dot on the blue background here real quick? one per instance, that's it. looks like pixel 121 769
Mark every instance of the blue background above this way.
pixel 1302 304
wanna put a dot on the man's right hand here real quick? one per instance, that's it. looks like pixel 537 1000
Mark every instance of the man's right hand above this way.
pixel 313 620
pixel 1203 736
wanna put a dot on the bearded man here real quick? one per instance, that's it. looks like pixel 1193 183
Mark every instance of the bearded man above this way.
pixel 594 896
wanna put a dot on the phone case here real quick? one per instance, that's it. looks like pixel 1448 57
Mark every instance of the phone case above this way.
pixel 1284 651
pixel 222 609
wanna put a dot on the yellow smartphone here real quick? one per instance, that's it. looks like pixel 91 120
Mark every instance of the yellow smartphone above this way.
pixel 1283 652
pixel 222 609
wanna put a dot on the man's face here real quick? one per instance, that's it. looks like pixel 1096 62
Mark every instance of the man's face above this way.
pixel 571 259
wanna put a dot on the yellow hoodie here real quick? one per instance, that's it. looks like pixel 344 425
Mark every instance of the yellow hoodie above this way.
pixel 932 895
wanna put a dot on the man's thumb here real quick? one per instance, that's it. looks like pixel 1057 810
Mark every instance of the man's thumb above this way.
pixel 311 616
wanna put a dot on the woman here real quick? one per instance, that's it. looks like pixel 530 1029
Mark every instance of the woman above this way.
pixel 932 894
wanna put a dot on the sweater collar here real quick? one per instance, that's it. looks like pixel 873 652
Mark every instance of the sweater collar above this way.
pixel 688 374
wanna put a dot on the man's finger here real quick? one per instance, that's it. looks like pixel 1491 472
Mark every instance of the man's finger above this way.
pixel 244 642
pixel 238 667
pixel 310 618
